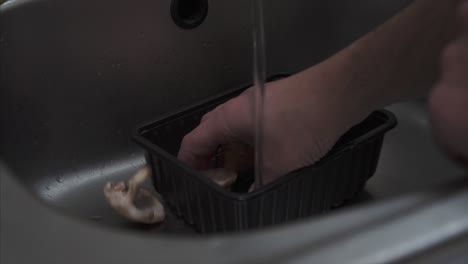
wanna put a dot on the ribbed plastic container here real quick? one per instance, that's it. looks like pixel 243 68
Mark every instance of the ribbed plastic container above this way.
pixel 334 179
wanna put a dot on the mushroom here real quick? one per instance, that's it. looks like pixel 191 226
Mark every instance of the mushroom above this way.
pixel 235 157
pixel 223 177
pixel 135 203
pixel 141 205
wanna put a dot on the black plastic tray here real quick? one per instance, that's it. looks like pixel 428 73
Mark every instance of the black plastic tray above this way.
pixel 337 177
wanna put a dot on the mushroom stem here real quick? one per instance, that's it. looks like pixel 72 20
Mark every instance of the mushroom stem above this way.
pixel 139 178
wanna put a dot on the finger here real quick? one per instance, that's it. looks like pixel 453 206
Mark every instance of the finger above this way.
pixel 205 117
pixel 247 91
pixel 455 62
pixel 450 124
pixel 238 156
pixel 211 113
pixel 464 16
pixel 250 90
pixel 200 145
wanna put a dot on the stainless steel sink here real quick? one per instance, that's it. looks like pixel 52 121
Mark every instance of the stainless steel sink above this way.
pixel 78 76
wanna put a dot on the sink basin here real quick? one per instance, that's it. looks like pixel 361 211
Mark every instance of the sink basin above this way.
pixel 77 78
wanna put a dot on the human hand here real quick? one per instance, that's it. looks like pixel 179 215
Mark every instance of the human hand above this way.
pixel 449 98
pixel 305 115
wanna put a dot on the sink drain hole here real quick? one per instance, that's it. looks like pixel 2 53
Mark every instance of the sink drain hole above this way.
pixel 189 14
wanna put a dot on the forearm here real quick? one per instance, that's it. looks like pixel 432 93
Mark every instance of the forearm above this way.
pixel 397 61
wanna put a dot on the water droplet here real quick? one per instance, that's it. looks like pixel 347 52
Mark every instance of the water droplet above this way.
pixel 59 179
pixel 49 195
pixel 47 188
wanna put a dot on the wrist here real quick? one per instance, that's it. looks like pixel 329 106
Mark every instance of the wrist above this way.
pixel 331 88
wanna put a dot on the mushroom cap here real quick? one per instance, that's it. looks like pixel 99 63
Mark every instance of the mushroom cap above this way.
pixel 145 207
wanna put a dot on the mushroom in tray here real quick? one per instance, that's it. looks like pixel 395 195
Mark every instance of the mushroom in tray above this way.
pixel 223 177
pixel 233 158
pixel 134 202
pixel 141 205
